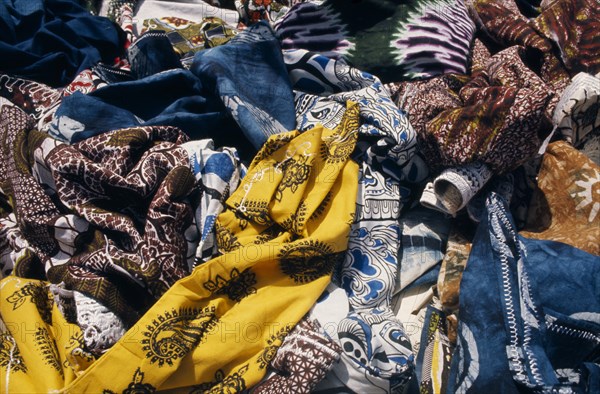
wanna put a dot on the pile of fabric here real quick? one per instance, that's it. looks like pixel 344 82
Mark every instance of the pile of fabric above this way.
pixel 286 196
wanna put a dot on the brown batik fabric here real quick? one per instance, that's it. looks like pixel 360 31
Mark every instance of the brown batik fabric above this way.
pixel 424 100
pixel 573 27
pixel 563 32
pixel 502 21
pixel 566 207
pixel 302 361
pixel 502 121
pixel 106 216
pixel 480 56
pixel 21 190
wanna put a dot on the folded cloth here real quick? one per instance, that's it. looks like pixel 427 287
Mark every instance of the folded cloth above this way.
pixel 456 186
pixel 424 100
pixel 504 185
pixel 51 41
pixel 52 347
pixel 393 40
pixel 430 200
pixel 591 148
pixel 571 26
pixel 435 353
pixel 529 313
pixel 424 236
pixel 248 74
pixel 36 99
pixel 387 141
pixel 123 192
pixel 151 54
pixel 562 33
pixel 189 37
pixel 453 265
pixel 566 205
pixel 101 328
pixel 252 11
pixel 218 172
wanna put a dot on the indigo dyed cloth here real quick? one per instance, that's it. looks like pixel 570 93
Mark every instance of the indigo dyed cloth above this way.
pixel 435 353
pixel 150 54
pixel 529 313
pixel 391 39
pixel 424 236
pixel 240 89
pixel 248 74
pixel 51 41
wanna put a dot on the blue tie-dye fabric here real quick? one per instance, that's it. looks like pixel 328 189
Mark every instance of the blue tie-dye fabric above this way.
pixel 529 313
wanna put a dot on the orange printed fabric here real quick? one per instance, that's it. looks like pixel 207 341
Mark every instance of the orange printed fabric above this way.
pixel 566 205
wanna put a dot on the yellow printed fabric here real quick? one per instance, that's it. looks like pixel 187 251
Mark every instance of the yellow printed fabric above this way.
pixel 285 229
pixel 39 350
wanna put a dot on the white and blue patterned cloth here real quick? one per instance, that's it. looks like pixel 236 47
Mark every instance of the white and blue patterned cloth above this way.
pixel 376 353
pixel 218 172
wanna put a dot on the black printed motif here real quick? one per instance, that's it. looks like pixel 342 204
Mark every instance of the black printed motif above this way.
pixel 269 234
pixel 295 173
pixel 273 343
pixel 222 384
pixel 10 356
pixel 202 388
pixel 274 143
pixel 137 386
pixel 256 211
pixel 38 294
pixel 238 286
pixel 322 207
pixel 172 335
pixel 226 240
pixel 295 223
pixel 47 348
pixel 305 261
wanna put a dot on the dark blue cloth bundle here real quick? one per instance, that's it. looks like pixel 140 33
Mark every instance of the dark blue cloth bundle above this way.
pixel 51 41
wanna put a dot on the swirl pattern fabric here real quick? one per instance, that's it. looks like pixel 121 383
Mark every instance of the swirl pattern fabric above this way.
pixel 376 353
